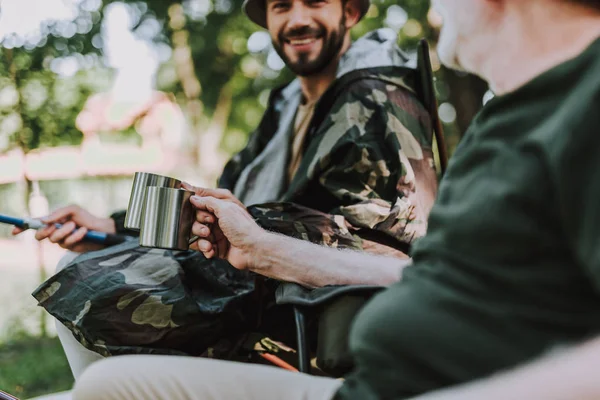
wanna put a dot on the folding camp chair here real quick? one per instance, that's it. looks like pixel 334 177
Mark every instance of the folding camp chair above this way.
pixel 336 306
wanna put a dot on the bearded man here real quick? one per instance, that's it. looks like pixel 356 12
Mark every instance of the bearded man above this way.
pixel 509 268
pixel 341 158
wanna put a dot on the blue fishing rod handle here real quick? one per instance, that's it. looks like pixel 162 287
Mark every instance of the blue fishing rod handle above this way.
pixel 95 237
pixel 107 239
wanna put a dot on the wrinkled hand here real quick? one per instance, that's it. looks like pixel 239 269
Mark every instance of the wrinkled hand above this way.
pixel 226 230
pixel 75 224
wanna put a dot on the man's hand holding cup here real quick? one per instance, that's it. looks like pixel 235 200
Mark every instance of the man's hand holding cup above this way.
pixel 225 229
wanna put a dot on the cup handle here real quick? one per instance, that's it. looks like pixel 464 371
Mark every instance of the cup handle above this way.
pixel 193 239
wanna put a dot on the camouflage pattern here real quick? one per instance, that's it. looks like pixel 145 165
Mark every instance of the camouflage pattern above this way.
pixel 133 300
pixel 369 165
pixel 366 182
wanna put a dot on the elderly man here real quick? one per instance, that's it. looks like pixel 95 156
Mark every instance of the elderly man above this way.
pixel 510 266
pixel 342 157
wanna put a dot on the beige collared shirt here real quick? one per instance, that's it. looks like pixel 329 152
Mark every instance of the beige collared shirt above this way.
pixel 303 117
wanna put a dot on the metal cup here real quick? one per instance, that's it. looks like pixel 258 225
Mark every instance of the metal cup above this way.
pixel 167 219
pixel 142 180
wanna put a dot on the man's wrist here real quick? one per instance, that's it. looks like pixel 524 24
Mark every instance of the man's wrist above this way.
pixel 259 250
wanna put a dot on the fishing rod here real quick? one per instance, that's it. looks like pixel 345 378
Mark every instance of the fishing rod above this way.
pixel 107 239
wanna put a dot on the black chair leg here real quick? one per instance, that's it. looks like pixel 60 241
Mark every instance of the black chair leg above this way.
pixel 303 345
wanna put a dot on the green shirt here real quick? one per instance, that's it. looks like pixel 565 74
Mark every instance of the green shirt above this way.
pixel 510 266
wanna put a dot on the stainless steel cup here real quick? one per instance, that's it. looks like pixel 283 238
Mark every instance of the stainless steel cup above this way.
pixel 167 219
pixel 142 180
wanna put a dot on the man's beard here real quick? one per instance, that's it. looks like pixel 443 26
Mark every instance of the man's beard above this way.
pixel 331 47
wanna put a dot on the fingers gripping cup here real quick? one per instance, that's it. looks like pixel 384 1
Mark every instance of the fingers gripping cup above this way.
pixel 167 219
pixel 141 181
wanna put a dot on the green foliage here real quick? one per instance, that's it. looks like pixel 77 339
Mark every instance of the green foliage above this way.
pixel 37 107
pixel 218 43
pixel 44 109
pixel 34 366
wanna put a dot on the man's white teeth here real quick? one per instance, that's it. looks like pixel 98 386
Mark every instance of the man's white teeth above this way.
pixel 299 42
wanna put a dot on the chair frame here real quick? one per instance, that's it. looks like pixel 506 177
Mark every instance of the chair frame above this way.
pixel 425 93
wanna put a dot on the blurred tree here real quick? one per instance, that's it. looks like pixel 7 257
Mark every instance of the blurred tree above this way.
pixel 38 106
pixel 233 63
pixel 218 59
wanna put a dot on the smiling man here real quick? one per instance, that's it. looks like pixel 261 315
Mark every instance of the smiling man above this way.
pixel 342 157
pixel 350 130
pixel 309 39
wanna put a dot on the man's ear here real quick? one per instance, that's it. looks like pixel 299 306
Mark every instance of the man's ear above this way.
pixel 352 11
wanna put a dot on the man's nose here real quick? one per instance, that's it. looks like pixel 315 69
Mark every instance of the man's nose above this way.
pixel 299 16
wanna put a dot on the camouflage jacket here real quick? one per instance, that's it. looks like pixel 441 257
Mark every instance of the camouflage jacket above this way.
pixel 367 161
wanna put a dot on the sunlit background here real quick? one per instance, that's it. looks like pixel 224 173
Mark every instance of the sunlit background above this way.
pixel 92 91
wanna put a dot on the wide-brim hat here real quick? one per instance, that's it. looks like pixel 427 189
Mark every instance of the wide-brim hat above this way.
pixel 256 10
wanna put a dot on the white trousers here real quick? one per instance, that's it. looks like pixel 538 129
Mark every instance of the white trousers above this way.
pixel 144 377
pixel 169 377
pixel 79 357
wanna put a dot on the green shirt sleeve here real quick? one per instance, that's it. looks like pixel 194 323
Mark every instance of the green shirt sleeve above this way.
pixel 577 176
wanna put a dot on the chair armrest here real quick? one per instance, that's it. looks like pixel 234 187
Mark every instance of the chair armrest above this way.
pixel 337 306
pixel 294 294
